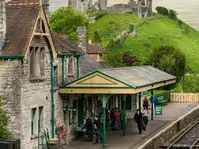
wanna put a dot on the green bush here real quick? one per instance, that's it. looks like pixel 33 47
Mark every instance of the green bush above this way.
pixel 131 28
pixel 97 38
pixel 129 59
pixel 172 14
pixel 100 15
pixel 4 133
pixel 66 20
pixel 170 60
pixel 188 84
pixel 162 10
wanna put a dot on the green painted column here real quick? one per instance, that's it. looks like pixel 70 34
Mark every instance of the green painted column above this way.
pixel 78 66
pixel 104 139
pixel 63 69
pixel 124 115
pixel 152 105
pixel 52 97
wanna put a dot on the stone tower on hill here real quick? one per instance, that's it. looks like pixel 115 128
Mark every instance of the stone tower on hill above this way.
pixel 84 5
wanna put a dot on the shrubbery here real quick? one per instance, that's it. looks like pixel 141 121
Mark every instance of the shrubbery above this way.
pixel 170 60
pixel 172 14
pixel 188 84
pixel 167 12
pixel 131 28
pixel 129 59
pixel 96 38
pixel 4 133
pixel 162 10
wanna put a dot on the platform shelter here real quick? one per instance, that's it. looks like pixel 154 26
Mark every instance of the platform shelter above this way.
pixel 117 81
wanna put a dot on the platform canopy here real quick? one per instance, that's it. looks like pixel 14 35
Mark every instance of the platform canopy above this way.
pixel 123 80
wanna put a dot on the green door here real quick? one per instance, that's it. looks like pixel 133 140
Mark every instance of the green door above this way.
pixel 80 111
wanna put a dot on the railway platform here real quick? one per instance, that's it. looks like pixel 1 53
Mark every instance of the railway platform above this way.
pixel 133 139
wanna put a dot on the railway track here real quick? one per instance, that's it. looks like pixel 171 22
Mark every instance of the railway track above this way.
pixel 189 139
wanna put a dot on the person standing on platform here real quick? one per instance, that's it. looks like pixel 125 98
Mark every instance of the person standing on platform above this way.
pixel 146 105
pixel 138 120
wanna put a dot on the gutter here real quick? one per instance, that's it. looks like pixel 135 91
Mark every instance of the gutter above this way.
pixel 11 57
pixel 52 97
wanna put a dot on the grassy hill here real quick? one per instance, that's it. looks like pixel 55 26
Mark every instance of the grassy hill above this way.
pixel 152 32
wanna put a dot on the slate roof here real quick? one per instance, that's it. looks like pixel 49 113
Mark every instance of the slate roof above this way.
pixel 138 76
pixel 87 65
pixel 94 49
pixel 20 20
pixel 63 45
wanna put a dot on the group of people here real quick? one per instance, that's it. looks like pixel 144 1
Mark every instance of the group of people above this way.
pixel 113 118
pixel 93 129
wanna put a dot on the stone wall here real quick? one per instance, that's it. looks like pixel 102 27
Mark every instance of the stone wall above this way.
pixel 119 8
pixel 170 132
pixel 35 94
pixel 10 91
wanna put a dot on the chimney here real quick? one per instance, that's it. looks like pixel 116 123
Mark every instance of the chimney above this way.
pixel 82 40
pixel 2 24
pixel 46 4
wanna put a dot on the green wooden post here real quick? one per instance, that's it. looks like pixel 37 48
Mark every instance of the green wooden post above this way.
pixel 78 66
pixel 63 69
pixel 124 115
pixel 104 139
pixel 52 97
pixel 152 105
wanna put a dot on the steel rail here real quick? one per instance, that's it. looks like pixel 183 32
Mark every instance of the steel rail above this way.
pixel 192 146
pixel 177 139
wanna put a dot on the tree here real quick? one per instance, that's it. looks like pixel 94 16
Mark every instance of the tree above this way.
pixel 4 133
pixel 172 14
pixel 66 20
pixel 129 59
pixel 162 10
pixel 170 60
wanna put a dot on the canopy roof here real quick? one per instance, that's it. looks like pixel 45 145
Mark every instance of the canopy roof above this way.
pixel 125 80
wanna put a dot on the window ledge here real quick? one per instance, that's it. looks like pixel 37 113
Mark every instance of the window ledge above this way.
pixel 70 75
pixel 37 79
pixel 34 137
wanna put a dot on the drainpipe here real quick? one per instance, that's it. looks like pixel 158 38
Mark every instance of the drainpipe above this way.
pixel 78 66
pixel 52 97
pixel 63 69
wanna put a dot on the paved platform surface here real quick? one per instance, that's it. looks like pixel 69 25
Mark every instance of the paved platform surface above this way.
pixel 133 139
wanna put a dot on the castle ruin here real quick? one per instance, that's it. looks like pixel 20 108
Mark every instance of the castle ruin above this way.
pixel 141 8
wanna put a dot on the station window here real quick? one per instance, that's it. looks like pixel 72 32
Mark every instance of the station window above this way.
pixel 40 119
pixel 33 121
pixel 37 62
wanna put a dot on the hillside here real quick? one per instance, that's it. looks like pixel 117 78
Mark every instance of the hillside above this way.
pixel 151 33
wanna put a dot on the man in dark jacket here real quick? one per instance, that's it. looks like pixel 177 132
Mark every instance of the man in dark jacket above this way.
pixel 89 128
pixel 138 120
